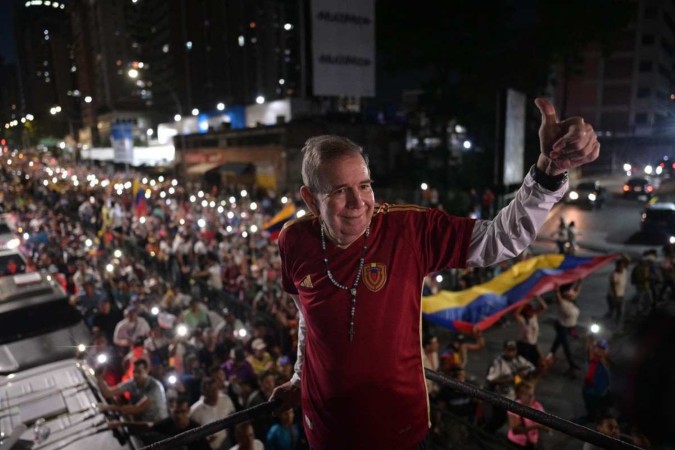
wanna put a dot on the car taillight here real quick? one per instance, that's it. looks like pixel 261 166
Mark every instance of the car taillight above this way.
pixel 626 188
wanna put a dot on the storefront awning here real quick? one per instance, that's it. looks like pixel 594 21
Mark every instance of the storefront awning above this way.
pixel 201 168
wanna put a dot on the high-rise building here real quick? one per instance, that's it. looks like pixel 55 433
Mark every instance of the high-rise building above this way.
pixel 158 58
pixel 627 96
pixel 46 69
pixel 9 89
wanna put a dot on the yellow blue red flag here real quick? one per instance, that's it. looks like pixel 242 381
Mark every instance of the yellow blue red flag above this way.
pixel 276 223
pixel 483 305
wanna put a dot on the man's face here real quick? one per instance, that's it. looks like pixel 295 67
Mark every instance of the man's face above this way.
pixel 510 353
pixel 181 415
pixel 211 393
pixel 347 201
pixel 267 383
pixel 140 375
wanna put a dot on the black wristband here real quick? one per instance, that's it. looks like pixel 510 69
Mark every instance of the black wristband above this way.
pixel 550 182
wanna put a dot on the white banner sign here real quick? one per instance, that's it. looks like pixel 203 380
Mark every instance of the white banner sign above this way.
pixel 343 47
pixel 514 139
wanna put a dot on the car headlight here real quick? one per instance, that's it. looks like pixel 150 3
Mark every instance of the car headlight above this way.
pixel 592 197
pixel 574 195
pixel 13 243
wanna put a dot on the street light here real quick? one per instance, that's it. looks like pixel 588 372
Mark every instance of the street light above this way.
pixel 88 99
pixel 133 73
pixel 260 99
pixel 195 111
pixel 177 118
pixel 220 106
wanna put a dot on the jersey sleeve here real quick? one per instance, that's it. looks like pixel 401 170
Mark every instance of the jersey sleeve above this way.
pixel 286 264
pixel 445 240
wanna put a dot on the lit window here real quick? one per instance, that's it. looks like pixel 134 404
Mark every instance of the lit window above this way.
pixel 165 48
pixel 188 45
pixel 73 69
pixel 241 41
pixel 252 24
pixel 288 27
pixel 281 81
pixel 254 40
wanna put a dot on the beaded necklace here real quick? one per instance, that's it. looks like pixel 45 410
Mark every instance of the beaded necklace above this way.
pixel 359 271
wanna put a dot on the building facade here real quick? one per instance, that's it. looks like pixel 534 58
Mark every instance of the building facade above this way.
pixel 628 95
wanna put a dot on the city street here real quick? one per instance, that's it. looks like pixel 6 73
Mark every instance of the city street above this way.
pixel 614 228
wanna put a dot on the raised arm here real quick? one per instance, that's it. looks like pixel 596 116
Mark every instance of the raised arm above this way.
pixel 563 145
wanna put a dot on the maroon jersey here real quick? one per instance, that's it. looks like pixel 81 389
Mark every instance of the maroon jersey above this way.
pixel 369 393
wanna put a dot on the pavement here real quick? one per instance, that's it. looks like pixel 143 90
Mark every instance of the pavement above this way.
pixel 558 393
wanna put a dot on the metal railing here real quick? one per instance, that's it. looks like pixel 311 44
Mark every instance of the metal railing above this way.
pixel 544 418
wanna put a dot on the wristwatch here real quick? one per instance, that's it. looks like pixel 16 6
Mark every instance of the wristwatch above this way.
pixel 550 182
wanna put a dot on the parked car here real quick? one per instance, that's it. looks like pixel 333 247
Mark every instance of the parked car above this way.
pixel 637 187
pixel 39 325
pixel 659 220
pixel 589 193
pixel 53 407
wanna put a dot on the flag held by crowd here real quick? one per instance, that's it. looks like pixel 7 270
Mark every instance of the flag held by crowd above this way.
pixel 483 305
pixel 276 223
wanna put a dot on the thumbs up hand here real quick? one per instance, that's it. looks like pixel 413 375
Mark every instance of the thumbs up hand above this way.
pixel 564 144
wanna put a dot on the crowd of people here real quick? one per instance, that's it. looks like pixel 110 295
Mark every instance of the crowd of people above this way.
pixel 182 292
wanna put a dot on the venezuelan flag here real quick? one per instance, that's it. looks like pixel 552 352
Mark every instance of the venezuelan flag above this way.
pixel 140 204
pixel 483 305
pixel 276 223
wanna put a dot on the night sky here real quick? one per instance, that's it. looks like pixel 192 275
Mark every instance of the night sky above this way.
pixel 7 49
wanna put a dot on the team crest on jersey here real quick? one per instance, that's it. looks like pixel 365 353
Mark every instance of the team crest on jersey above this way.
pixel 307 282
pixel 374 276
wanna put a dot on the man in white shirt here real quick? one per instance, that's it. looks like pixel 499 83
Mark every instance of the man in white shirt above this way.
pixel 129 329
pixel 618 281
pixel 212 406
